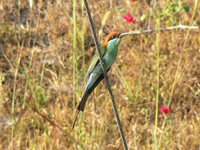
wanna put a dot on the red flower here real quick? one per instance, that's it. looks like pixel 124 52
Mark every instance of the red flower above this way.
pixel 129 18
pixel 133 0
pixel 165 110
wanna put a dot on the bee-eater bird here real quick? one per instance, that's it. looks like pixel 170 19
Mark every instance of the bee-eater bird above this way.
pixel 95 73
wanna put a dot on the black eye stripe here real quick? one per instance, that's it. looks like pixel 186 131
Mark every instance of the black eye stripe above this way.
pixel 113 37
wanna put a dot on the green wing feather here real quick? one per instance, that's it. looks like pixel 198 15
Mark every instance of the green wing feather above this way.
pixel 95 60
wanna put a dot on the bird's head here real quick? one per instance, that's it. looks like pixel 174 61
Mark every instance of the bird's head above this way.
pixel 114 38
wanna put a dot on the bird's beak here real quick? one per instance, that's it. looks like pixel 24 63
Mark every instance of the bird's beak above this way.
pixel 124 34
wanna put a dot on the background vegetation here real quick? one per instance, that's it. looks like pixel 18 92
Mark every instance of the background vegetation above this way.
pixel 45 48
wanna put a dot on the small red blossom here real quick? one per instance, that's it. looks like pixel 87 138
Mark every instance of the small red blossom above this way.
pixel 129 18
pixel 133 0
pixel 165 110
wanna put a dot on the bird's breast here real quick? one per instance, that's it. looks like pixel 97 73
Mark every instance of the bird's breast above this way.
pixel 110 58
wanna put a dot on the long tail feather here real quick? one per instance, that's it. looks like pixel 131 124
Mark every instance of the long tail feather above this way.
pixel 83 101
pixel 80 107
pixel 87 92
pixel 76 118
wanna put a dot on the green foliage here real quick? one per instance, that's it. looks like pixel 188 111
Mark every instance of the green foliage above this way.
pixel 171 12
pixel 186 7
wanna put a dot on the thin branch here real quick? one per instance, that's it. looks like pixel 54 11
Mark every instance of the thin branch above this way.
pixel 105 75
pixel 6 58
pixel 24 110
pixel 52 122
pixel 163 29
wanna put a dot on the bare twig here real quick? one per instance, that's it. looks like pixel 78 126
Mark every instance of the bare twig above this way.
pixel 6 58
pixel 24 110
pixel 105 75
pixel 52 122
pixel 163 29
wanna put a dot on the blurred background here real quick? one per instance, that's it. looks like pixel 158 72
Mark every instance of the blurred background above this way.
pixel 45 49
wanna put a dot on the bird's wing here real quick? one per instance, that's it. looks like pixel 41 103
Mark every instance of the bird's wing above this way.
pixel 95 61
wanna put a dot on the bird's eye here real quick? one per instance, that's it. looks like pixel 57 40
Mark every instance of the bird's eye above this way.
pixel 112 37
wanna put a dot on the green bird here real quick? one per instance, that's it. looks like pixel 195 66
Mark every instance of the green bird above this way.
pixel 95 73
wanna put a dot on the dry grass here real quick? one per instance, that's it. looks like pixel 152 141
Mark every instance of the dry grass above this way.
pixel 45 51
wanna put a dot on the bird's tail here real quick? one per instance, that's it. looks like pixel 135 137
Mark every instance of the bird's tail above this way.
pixel 76 118
pixel 81 106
